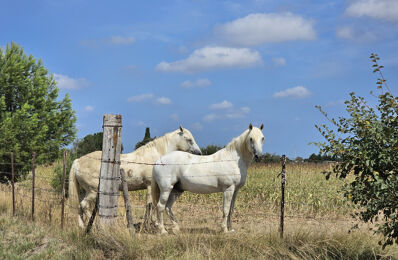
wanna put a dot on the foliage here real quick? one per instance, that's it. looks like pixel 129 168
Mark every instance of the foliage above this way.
pixel 147 139
pixel 210 149
pixel 32 119
pixel 320 158
pixel 366 144
pixel 56 181
pixel 90 143
pixel 268 158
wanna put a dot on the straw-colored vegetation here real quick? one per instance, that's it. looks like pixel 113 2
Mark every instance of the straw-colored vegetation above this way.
pixel 317 224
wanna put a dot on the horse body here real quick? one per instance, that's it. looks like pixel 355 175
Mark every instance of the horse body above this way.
pixel 224 171
pixel 137 165
pixel 205 174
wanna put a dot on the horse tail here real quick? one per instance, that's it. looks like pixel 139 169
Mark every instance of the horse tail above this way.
pixel 155 190
pixel 74 185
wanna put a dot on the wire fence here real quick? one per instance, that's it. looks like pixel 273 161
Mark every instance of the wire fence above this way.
pixel 50 200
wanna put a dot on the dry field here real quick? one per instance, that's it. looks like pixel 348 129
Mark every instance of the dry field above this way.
pixel 317 223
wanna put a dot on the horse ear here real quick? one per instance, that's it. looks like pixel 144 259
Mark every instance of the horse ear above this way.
pixel 181 129
pixel 262 127
pixel 250 126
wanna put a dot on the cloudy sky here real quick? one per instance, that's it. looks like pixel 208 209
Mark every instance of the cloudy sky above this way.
pixel 211 66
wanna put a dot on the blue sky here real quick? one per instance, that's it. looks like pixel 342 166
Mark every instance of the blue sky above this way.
pixel 211 66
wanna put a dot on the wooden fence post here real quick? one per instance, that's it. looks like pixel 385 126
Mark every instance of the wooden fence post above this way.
pixel 33 185
pixel 12 183
pixel 283 181
pixel 110 169
pixel 127 205
pixel 63 192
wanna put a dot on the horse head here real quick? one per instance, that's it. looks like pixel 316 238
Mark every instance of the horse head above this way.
pixel 255 140
pixel 184 141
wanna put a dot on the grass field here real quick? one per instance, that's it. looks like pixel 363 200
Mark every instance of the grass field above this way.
pixel 317 224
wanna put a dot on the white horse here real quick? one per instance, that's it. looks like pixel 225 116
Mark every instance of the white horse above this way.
pixel 225 171
pixel 137 165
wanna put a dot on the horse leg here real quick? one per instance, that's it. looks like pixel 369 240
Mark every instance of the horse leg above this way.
pixel 164 196
pixel 172 198
pixel 86 203
pixel 80 217
pixel 227 199
pixel 231 211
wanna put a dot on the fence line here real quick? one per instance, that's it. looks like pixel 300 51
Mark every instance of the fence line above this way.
pixel 57 198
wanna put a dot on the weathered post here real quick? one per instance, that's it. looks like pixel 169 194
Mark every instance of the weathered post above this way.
pixel 12 183
pixel 127 205
pixel 108 191
pixel 33 185
pixel 283 181
pixel 63 192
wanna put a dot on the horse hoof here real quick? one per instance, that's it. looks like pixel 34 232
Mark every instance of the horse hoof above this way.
pixel 229 231
pixel 176 230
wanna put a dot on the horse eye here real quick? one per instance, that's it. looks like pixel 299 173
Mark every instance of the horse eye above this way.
pixel 251 139
pixel 262 139
pixel 190 141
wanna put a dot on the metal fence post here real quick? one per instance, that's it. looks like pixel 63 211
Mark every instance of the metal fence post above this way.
pixel 283 181
pixel 12 183
pixel 33 185
pixel 63 192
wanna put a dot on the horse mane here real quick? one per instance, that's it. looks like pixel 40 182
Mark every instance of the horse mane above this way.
pixel 236 143
pixel 159 143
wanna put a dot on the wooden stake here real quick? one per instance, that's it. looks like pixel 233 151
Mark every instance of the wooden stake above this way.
pixel 127 205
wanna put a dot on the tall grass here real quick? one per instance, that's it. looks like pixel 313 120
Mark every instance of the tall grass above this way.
pixel 317 223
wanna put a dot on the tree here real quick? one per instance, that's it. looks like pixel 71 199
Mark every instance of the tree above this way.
pixel 90 143
pixel 210 149
pixel 147 139
pixel 366 143
pixel 32 118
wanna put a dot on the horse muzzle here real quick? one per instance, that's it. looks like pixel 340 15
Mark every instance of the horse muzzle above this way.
pixel 196 151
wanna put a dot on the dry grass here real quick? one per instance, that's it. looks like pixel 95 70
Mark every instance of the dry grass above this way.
pixel 316 226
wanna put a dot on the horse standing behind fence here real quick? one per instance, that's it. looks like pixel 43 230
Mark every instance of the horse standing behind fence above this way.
pixel 85 171
pixel 225 171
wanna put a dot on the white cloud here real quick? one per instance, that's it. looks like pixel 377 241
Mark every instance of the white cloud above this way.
pixel 296 92
pixel 199 83
pixel 230 113
pixel 174 116
pixel 141 123
pixel 376 9
pixel 209 58
pixel 210 117
pixel 349 33
pixel 163 101
pixel 113 40
pixel 141 98
pixel 197 126
pixel 240 113
pixel 121 40
pixel 223 105
pixel 89 108
pixel 345 32
pixel 65 82
pixel 279 62
pixel 260 28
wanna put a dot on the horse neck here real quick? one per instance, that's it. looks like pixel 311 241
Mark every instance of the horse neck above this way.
pixel 239 146
pixel 159 145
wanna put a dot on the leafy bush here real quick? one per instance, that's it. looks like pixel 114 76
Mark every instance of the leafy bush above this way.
pixel 366 144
